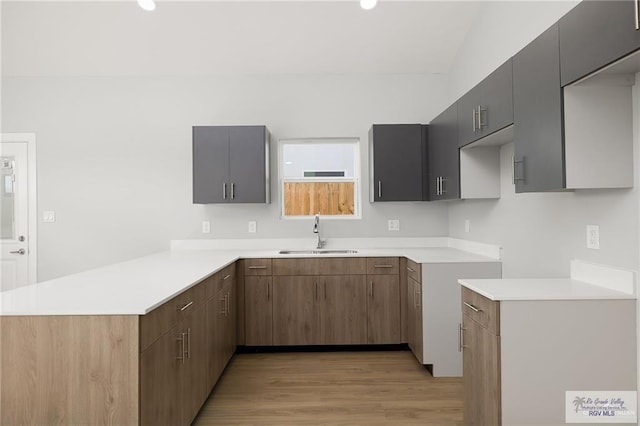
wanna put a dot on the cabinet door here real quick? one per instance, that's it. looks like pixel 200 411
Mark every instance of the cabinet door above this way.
pixel 295 310
pixel 481 372
pixel 383 309
pixel 414 320
pixel 248 157
pixel 467 117
pixel 343 310
pixel 496 95
pixel 397 162
pixel 230 324
pixel 537 111
pixel 258 304
pixel 215 324
pixel 160 393
pixel 444 159
pixel 210 164
pixel 595 34
pixel 194 378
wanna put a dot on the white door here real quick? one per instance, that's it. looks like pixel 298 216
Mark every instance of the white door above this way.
pixel 14 219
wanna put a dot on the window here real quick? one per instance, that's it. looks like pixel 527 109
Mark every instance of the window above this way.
pixel 320 176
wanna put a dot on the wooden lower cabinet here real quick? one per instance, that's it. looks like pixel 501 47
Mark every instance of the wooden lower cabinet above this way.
pixel 481 365
pixel 194 385
pixel 258 309
pixel 383 309
pixel 295 310
pixel 342 313
pixel 414 318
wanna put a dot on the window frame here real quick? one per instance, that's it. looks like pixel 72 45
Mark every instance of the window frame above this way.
pixel 356 179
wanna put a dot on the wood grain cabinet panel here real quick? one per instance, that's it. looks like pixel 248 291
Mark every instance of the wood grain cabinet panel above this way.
pixel 320 266
pixel 258 300
pixel 257 267
pixel 383 309
pixel 383 265
pixel 295 310
pixel 343 310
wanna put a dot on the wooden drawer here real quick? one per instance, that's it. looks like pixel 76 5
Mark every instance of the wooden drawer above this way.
pixel 218 280
pixel 383 266
pixel 321 266
pixel 257 266
pixel 414 270
pixel 484 311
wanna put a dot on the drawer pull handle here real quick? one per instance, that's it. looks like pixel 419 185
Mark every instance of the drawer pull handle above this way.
pixel 226 277
pixel 185 307
pixel 411 270
pixel 258 267
pixel 383 266
pixel 473 308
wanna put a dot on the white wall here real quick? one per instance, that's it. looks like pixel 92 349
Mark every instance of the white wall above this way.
pixel 114 155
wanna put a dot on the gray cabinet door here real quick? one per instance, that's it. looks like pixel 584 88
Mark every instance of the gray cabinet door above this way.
pixel 496 96
pixel 596 33
pixel 444 158
pixel 538 132
pixel 397 162
pixel 247 154
pixel 468 130
pixel 210 164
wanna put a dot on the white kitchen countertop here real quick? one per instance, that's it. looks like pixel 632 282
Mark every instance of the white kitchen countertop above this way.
pixel 138 286
pixel 541 289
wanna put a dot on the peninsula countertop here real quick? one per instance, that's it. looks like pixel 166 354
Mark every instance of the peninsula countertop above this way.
pixel 138 286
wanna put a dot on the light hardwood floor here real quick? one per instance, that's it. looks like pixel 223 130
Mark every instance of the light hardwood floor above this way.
pixel 332 388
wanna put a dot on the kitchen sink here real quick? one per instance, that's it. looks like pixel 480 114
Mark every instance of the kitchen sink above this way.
pixel 318 251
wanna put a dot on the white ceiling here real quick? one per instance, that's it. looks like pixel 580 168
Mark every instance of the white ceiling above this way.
pixel 200 38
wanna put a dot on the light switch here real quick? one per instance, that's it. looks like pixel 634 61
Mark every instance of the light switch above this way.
pixel 252 227
pixel 393 225
pixel 49 216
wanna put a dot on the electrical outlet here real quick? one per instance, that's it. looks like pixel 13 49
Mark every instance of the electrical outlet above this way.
pixel 393 225
pixel 252 227
pixel 49 216
pixel 206 227
pixel 593 237
pixel 467 225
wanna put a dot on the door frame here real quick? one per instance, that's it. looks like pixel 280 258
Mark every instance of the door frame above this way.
pixel 30 140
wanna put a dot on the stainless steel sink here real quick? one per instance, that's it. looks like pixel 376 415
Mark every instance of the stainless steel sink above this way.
pixel 318 251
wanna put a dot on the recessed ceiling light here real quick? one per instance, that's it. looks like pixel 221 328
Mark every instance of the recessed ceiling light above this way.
pixel 368 4
pixel 147 4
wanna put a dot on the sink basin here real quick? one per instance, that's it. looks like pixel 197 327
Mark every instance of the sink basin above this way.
pixel 318 251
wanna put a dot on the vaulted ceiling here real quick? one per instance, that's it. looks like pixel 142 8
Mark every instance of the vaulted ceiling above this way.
pixel 203 38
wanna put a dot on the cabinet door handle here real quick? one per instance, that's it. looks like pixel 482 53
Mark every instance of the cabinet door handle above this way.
pixel 224 190
pixel 188 342
pixel 442 191
pixel 233 192
pixel 513 174
pixel 315 289
pixel 223 308
pixel 418 297
pixel 226 277
pixel 410 269
pixel 268 291
pixel 473 308
pixel 181 340
pixel 383 266
pixel 185 307
pixel 258 267
pixel 379 189
pixel 372 289
pixel 637 10
pixel 461 344
pixel 473 119
pixel 480 123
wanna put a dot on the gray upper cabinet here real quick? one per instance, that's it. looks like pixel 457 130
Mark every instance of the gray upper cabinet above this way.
pixel 230 164
pixel 538 128
pixel 443 155
pixel 595 34
pixel 396 162
pixel 488 107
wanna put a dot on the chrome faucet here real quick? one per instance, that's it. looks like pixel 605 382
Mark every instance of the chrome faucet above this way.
pixel 316 230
